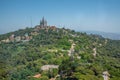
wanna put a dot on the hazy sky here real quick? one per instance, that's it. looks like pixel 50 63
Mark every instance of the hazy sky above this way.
pixel 95 15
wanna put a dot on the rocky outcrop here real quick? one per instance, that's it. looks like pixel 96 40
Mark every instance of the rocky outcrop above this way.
pixel 106 75
pixel 47 67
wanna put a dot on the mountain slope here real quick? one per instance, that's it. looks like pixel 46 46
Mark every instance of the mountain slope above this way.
pixel 78 55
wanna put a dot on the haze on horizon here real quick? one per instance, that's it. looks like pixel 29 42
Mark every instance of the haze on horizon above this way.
pixel 87 15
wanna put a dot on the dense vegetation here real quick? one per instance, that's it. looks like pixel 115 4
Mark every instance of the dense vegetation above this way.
pixel 22 60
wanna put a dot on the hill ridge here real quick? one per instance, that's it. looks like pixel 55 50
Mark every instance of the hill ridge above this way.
pixel 91 55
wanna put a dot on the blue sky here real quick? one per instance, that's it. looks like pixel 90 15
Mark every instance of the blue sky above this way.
pixel 95 15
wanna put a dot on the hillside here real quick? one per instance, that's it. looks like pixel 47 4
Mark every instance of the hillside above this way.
pixel 53 53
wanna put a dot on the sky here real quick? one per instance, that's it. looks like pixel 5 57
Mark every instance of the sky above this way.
pixel 80 15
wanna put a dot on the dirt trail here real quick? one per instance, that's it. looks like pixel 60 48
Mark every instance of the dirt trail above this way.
pixel 71 49
pixel 95 52
pixel 37 76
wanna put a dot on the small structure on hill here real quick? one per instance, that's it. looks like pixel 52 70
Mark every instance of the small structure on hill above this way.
pixel 42 25
pixel 106 75
pixel 12 37
pixel 18 38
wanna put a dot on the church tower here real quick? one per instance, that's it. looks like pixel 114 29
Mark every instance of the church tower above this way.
pixel 43 23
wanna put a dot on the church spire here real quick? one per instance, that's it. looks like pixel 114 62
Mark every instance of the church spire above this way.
pixel 43 22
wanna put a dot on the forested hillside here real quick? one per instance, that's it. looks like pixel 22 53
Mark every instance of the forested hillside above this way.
pixel 24 53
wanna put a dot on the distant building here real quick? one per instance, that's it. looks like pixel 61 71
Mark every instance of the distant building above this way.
pixel 53 28
pixel 43 23
pixel 27 37
pixel 12 37
pixel 26 34
pixel 34 33
pixel 7 40
pixel 23 38
pixel 18 38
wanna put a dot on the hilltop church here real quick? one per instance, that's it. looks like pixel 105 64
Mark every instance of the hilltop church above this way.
pixel 43 23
